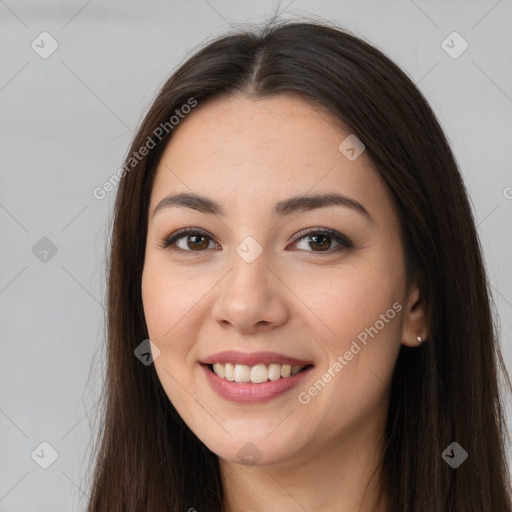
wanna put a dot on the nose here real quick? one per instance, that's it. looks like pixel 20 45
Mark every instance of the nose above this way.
pixel 251 298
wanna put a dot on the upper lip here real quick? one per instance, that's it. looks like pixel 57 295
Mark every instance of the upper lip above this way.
pixel 253 358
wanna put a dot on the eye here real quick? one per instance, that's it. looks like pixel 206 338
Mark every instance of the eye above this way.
pixel 320 239
pixel 196 240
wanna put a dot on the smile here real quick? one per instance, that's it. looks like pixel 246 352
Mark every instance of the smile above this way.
pixel 256 374
pixel 248 392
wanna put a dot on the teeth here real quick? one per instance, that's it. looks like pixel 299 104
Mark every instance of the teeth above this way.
pixel 242 373
pixel 296 369
pixel 219 369
pixel 256 374
pixel 274 371
pixel 229 371
pixel 259 374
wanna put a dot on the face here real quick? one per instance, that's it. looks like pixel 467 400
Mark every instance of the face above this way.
pixel 278 322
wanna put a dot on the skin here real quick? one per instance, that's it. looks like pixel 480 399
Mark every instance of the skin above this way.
pixel 295 298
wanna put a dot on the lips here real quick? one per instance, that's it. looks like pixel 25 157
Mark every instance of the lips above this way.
pixel 248 392
pixel 262 389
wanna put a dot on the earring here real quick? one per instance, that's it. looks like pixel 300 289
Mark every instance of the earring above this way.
pixel 419 339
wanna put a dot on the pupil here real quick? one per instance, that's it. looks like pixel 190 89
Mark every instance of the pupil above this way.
pixel 194 241
pixel 324 237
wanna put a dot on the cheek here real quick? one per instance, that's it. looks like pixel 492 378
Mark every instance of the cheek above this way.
pixel 169 311
pixel 168 301
pixel 360 322
pixel 359 310
pixel 167 291
pixel 347 303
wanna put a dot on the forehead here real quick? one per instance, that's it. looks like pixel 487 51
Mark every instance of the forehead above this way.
pixel 250 153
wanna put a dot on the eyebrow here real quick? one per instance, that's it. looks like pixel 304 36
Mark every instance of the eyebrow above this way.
pixel 280 209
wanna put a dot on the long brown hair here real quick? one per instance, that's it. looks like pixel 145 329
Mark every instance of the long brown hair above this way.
pixel 447 390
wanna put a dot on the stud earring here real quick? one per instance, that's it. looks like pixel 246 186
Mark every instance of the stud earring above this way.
pixel 419 339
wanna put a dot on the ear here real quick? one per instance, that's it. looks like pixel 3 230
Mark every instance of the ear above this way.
pixel 414 331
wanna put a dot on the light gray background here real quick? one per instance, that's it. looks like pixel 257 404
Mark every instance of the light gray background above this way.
pixel 65 124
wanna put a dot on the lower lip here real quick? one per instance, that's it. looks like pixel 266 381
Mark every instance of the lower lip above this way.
pixel 249 393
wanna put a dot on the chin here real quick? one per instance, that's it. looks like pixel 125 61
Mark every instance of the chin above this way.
pixel 254 450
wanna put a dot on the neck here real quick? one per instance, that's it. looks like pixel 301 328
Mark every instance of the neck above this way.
pixel 341 475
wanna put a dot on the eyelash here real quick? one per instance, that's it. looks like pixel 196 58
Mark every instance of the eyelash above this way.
pixel 345 242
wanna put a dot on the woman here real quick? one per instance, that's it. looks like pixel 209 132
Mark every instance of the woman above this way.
pixel 292 233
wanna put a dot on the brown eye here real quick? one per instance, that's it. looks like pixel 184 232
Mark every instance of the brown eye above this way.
pixel 196 242
pixel 321 240
pixel 187 240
